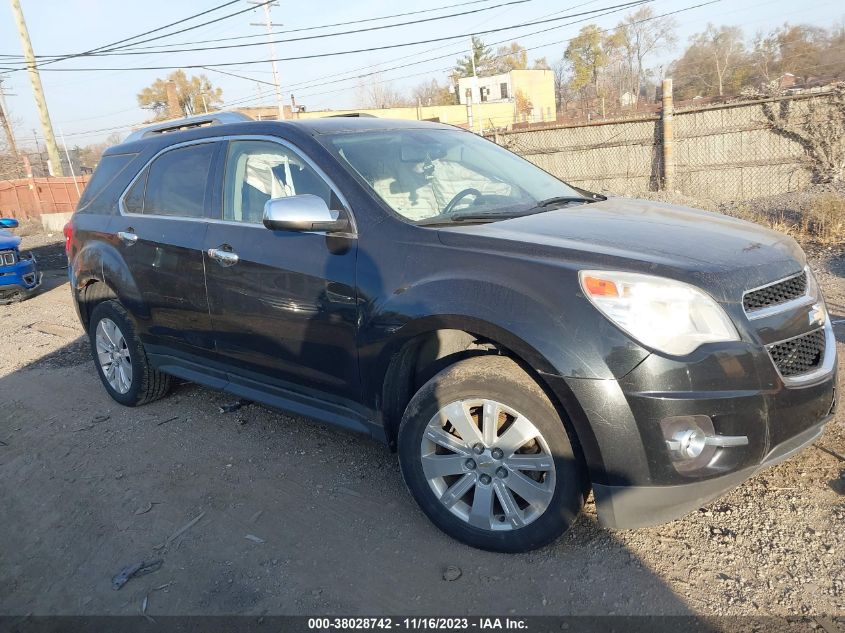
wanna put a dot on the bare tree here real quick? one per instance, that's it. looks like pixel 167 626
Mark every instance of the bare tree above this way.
pixel 713 62
pixel 765 57
pixel 11 166
pixel 374 92
pixel 641 35
pixel 431 93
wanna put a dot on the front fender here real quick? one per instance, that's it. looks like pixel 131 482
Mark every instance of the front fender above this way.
pixel 566 339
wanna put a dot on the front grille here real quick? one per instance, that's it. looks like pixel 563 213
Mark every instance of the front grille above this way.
pixel 799 355
pixel 780 292
pixel 8 258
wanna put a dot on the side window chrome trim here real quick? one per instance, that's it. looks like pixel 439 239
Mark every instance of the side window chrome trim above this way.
pixel 121 207
pixel 238 137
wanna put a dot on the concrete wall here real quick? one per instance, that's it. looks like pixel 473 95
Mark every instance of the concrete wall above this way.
pixel 725 152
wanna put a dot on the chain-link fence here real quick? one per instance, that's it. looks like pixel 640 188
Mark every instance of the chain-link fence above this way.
pixel 735 151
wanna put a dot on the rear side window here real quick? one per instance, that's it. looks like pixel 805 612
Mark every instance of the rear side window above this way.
pixel 110 167
pixel 176 182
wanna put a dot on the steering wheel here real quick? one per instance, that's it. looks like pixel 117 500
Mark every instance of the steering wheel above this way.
pixel 449 208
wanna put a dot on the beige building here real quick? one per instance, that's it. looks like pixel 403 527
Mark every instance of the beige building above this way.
pixel 486 116
pixel 498 102
pixel 531 93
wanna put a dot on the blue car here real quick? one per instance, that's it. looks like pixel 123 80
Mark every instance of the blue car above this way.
pixel 19 275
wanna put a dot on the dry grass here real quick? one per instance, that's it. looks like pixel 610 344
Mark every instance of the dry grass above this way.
pixel 825 220
pixel 818 219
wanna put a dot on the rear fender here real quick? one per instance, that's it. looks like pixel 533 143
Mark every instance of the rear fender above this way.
pixel 99 261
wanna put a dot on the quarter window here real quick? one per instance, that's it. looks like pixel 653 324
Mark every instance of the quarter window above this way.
pixel 110 167
pixel 177 182
pixel 257 171
pixel 133 201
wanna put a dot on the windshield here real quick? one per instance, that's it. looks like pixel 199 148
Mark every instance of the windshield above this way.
pixel 436 175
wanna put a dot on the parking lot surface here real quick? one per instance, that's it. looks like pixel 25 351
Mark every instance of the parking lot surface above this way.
pixel 256 512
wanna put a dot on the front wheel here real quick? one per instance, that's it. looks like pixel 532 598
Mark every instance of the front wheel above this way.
pixel 120 358
pixel 488 459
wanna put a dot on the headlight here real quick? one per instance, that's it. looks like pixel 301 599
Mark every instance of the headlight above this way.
pixel 666 315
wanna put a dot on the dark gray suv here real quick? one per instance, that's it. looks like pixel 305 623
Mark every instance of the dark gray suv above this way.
pixel 518 340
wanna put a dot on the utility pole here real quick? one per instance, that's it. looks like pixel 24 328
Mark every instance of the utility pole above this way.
pixel 7 125
pixel 268 23
pixel 174 110
pixel 37 90
pixel 667 117
pixel 474 88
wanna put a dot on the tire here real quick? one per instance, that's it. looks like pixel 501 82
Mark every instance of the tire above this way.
pixel 457 502
pixel 133 381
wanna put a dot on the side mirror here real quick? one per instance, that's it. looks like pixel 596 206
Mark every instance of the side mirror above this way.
pixel 8 223
pixel 305 212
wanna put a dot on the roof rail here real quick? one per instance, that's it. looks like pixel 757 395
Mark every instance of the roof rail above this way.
pixel 175 125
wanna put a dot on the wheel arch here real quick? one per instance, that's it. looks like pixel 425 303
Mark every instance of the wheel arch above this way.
pixel 99 273
pixel 408 359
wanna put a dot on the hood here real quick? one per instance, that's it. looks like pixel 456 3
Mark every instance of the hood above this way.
pixel 721 254
pixel 7 240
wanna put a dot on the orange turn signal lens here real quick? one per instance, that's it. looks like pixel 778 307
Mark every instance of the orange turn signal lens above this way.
pixel 600 287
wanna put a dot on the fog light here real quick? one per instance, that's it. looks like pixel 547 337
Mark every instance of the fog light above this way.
pixel 692 441
pixel 689 444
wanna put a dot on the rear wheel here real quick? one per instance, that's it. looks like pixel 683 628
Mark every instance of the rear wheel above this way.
pixel 487 457
pixel 120 358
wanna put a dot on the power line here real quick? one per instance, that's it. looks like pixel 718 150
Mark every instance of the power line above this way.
pixel 607 11
pixel 109 47
pixel 311 82
pixel 623 6
pixel 322 26
pixel 606 30
pixel 225 72
pixel 345 75
pixel 121 52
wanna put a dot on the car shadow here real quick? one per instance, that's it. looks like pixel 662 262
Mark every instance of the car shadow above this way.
pixel 90 486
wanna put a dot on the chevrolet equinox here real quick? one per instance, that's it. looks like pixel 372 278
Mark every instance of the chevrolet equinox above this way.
pixel 517 340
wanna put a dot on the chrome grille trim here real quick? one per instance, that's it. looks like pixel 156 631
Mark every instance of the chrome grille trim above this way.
pixel 800 354
pixel 826 365
pixel 8 258
pixel 808 297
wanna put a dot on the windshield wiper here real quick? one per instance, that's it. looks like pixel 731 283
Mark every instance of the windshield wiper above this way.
pixel 494 216
pixel 473 217
pixel 561 199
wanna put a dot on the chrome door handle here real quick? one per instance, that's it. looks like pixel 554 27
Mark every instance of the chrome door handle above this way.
pixel 127 237
pixel 224 258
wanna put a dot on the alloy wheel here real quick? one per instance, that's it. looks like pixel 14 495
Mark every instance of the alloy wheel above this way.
pixel 488 464
pixel 113 355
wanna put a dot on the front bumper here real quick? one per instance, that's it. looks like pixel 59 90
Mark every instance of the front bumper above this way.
pixel 640 506
pixel 22 277
pixel 618 424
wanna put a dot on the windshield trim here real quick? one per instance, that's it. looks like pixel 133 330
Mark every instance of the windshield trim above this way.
pixel 327 142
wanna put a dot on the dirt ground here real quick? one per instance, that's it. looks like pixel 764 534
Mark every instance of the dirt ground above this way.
pixel 257 512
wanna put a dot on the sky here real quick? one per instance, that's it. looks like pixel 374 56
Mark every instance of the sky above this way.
pixel 87 106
